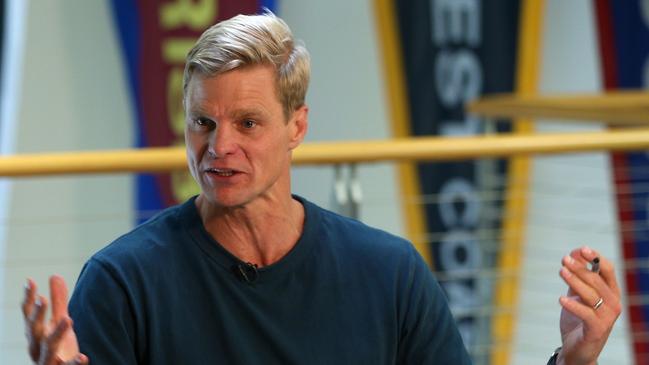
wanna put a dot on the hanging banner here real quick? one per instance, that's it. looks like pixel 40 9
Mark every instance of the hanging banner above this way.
pixel 453 52
pixel 624 46
pixel 155 36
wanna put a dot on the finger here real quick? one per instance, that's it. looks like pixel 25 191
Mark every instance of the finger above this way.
pixel 590 289
pixel 35 327
pixel 30 298
pixel 572 305
pixel 588 253
pixel 578 256
pixel 595 327
pixel 587 294
pixel 607 272
pixel 59 295
pixel 584 277
pixel 607 269
pixel 81 359
pixel 37 318
pixel 590 286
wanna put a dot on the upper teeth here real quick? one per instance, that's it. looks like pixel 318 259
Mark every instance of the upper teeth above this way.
pixel 222 172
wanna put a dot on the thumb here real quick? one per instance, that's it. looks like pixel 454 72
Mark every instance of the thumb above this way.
pixel 80 359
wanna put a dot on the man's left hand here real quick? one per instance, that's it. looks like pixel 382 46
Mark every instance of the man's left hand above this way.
pixel 590 308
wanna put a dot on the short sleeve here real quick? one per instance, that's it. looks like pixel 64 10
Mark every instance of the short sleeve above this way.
pixel 103 318
pixel 429 334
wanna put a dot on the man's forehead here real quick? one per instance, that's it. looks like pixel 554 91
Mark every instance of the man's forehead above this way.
pixel 248 91
pixel 234 108
pixel 245 72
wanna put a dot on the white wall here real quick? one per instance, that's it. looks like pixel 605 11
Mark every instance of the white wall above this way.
pixel 346 99
pixel 73 97
pixel 571 202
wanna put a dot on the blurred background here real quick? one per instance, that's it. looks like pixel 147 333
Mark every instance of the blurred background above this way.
pixel 102 74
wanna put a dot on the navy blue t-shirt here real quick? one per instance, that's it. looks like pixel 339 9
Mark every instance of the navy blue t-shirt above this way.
pixel 166 293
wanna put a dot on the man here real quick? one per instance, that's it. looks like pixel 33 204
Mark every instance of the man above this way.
pixel 246 273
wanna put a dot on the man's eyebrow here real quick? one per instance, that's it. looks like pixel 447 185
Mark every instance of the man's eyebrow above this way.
pixel 235 114
pixel 248 112
pixel 197 111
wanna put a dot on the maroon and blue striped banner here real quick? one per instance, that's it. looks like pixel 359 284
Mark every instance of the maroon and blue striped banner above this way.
pixel 624 46
pixel 155 36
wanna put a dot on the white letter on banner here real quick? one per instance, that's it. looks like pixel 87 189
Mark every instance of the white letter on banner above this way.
pixel 459 252
pixel 459 191
pixel 458 76
pixel 469 126
pixel 455 21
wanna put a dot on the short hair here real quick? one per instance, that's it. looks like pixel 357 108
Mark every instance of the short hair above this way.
pixel 247 40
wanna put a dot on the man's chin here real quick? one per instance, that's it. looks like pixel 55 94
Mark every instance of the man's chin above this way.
pixel 225 201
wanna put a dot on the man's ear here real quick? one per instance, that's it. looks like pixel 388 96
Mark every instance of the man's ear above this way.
pixel 298 125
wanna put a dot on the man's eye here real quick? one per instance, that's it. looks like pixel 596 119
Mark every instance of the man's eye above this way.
pixel 249 124
pixel 203 122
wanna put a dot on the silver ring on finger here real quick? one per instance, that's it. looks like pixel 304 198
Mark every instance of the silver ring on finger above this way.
pixel 599 303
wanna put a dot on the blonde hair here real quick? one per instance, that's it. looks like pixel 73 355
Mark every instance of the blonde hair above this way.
pixel 247 40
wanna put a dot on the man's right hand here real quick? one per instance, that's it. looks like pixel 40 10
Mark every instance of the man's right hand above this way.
pixel 51 342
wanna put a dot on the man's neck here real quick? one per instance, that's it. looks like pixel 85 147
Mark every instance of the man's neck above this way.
pixel 260 233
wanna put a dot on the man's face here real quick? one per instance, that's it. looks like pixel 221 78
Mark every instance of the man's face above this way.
pixel 238 141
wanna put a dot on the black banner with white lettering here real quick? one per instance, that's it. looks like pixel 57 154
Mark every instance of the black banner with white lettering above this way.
pixel 454 51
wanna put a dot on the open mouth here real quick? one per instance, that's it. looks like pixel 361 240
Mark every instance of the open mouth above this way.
pixel 221 172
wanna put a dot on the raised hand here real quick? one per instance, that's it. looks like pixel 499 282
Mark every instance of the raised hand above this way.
pixel 51 342
pixel 590 308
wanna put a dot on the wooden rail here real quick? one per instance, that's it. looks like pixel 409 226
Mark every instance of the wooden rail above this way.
pixel 626 108
pixel 406 149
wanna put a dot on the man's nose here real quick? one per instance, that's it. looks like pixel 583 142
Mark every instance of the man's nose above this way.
pixel 223 141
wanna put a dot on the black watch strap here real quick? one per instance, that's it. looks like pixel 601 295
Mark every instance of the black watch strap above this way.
pixel 555 355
